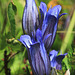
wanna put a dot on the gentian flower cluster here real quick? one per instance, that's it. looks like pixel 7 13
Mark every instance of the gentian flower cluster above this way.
pixel 39 36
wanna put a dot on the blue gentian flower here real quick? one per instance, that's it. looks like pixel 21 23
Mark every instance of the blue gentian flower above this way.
pixel 37 55
pixel 40 35
pixel 30 17
pixel 48 23
pixel 56 60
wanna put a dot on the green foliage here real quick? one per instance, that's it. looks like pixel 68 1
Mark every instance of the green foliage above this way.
pixel 11 10
pixel 14 8
pixel 56 45
pixel 3 42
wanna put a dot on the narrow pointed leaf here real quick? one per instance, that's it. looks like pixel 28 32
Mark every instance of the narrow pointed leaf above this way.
pixel 11 18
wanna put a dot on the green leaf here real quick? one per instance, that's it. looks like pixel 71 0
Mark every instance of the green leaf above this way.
pixel 3 42
pixel 16 64
pixel 56 45
pixel 14 8
pixel 65 60
pixel 11 10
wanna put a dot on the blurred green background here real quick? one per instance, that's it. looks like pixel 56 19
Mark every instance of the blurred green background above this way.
pixel 11 12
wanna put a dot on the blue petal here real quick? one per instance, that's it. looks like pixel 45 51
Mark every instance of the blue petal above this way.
pixel 56 60
pixel 45 58
pixel 30 17
pixel 39 59
pixel 47 37
pixel 48 21
pixel 58 66
pixel 53 54
pixel 55 10
pixel 36 60
pixel 62 14
pixel 38 35
pixel 43 8
pixel 53 63
pixel 59 58
pixel 26 40
pixel 49 26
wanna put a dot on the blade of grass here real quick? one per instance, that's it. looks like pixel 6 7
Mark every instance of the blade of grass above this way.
pixel 68 34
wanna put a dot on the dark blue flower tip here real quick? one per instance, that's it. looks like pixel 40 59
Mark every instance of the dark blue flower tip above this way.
pixel 56 60
pixel 30 17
